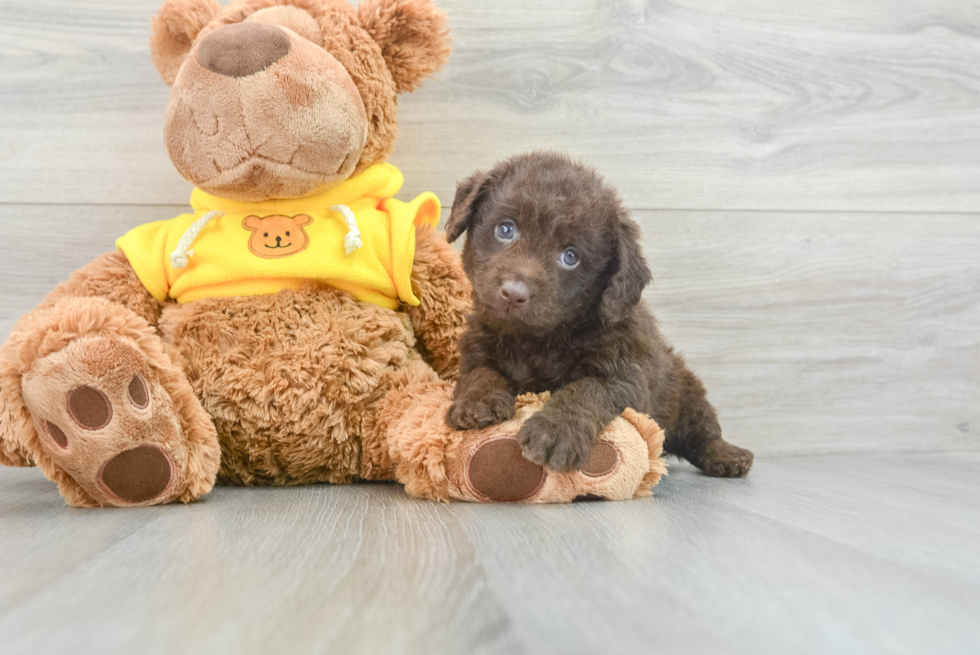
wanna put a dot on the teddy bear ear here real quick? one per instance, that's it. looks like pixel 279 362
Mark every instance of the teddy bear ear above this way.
pixel 173 30
pixel 413 37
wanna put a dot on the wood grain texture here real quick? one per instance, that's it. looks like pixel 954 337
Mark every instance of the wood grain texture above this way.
pixel 826 332
pixel 813 332
pixel 813 554
pixel 689 105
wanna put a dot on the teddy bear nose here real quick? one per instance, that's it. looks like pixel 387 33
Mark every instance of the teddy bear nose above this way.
pixel 242 49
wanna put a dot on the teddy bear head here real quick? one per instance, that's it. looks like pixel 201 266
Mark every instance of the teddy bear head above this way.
pixel 284 98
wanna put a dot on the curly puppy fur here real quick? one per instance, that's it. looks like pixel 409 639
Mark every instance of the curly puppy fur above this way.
pixel 557 275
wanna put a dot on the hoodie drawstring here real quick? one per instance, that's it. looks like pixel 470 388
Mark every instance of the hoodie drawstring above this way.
pixel 180 255
pixel 353 239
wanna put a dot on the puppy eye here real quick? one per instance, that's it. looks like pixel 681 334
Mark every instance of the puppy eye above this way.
pixel 506 231
pixel 569 258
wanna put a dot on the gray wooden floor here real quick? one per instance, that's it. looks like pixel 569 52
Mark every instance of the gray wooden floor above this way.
pixel 807 177
pixel 811 554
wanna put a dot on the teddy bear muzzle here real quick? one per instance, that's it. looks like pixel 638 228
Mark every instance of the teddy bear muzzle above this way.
pixel 257 112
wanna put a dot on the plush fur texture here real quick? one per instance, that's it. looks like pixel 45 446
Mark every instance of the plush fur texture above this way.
pixel 123 400
pixel 295 126
pixel 445 302
pixel 103 343
pixel 291 17
pixel 292 380
pixel 109 277
pixel 173 31
pixel 310 118
pixel 558 276
pixel 290 385
pixel 295 381
pixel 413 38
pixel 435 458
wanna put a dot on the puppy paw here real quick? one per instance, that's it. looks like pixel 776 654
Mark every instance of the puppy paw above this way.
pixel 723 460
pixel 556 444
pixel 469 414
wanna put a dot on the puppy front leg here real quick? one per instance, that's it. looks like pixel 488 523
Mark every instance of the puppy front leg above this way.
pixel 561 436
pixel 482 397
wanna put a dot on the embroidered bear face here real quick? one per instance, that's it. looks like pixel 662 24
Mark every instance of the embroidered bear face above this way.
pixel 277 236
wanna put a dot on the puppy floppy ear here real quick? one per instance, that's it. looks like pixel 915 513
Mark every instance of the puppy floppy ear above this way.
pixel 469 194
pixel 173 30
pixel 413 37
pixel 632 275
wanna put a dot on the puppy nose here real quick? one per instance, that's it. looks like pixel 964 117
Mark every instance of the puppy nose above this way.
pixel 242 49
pixel 514 292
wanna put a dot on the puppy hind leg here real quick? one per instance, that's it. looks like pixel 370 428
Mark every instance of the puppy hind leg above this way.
pixel 696 434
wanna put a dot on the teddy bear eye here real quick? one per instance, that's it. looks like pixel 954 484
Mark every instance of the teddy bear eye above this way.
pixel 266 234
pixel 287 234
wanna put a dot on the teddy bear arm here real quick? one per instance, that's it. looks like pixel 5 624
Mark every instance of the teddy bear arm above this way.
pixel 109 276
pixel 444 290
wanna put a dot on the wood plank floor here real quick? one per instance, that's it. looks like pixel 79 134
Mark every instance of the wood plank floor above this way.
pixel 807 178
pixel 815 554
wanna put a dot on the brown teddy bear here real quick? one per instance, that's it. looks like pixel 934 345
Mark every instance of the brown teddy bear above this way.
pixel 300 324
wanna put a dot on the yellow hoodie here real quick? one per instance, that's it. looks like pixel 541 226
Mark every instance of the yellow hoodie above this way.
pixel 233 248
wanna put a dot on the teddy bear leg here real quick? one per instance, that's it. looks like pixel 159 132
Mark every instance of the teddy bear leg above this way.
pixel 93 397
pixel 434 461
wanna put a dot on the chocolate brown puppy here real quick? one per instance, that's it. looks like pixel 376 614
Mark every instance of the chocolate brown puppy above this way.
pixel 558 275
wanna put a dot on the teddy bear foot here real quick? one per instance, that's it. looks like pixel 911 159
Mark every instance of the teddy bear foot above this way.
pixel 106 420
pixel 436 462
pixel 489 467
pixel 497 472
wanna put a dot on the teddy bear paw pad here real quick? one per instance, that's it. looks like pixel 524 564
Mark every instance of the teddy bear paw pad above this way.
pixel 497 471
pixel 106 421
pixel 603 461
pixel 138 475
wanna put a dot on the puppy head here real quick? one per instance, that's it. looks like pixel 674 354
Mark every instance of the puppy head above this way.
pixel 550 245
